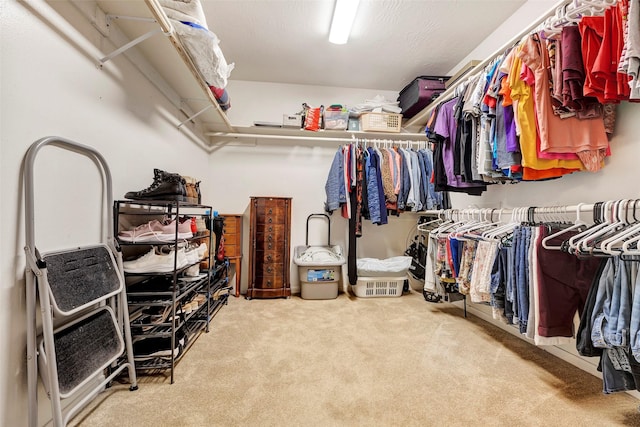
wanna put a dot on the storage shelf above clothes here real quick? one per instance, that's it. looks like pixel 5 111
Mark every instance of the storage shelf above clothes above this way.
pixel 162 58
pixel 267 132
pixel 167 64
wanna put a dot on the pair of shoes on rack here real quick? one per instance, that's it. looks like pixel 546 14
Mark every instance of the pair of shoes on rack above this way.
pixel 152 347
pixel 155 261
pixel 157 314
pixel 194 254
pixel 220 293
pixel 192 186
pixel 156 231
pixel 193 304
pixel 200 227
pixel 165 186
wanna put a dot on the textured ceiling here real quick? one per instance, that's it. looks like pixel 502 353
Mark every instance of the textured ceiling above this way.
pixel 392 41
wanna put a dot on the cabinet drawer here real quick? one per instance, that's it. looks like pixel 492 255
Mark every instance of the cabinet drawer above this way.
pixel 270 243
pixel 270 216
pixel 231 239
pixel 231 250
pixel 268 280
pixel 230 225
pixel 269 257
pixel 270 228
pixel 269 203
pixel 269 270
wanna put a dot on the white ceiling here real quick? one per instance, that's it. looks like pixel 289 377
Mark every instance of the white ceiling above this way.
pixel 392 41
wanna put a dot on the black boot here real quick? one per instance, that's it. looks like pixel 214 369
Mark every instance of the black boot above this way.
pixel 165 186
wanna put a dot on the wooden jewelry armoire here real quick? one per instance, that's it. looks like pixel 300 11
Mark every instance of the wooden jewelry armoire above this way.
pixel 269 248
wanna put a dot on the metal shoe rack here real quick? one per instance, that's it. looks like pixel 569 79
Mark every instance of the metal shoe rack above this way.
pixel 169 293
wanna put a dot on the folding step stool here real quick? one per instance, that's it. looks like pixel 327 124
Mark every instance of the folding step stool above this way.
pixel 82 291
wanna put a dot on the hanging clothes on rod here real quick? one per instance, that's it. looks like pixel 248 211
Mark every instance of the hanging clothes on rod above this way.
pixel 543 108
pixel 396 179
pixel 541 267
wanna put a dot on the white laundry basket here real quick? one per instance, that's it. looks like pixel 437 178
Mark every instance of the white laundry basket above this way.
pixel 381 278
pixel 367 287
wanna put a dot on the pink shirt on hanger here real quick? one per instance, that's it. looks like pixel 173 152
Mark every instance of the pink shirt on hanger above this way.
pixel 587 137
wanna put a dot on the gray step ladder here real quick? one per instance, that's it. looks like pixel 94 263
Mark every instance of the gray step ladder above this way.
pixel 85 339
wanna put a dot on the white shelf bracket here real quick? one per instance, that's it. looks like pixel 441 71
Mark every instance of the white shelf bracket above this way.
pixel 195 115
pixel 129 45
pixel 133 42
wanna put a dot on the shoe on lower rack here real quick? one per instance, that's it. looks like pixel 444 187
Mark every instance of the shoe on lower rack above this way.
pixel 152 262
pixel 153 347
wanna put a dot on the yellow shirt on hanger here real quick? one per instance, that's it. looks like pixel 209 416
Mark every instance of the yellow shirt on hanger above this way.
pixel 533 167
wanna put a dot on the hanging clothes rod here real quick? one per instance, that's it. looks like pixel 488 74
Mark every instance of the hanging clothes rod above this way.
pixel 608 208
pixel 505 214
pixel 559 9
pixel 419 138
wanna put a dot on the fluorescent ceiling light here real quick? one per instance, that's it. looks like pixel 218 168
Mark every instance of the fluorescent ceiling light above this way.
pixel 343 16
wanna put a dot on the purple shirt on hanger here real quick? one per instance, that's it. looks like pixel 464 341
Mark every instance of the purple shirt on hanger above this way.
pixel 446 127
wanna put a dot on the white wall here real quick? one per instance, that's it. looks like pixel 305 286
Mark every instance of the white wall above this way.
pixel 296 169
pixel 51 86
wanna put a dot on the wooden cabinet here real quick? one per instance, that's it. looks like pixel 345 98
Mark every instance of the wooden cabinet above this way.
pixel 232 232
pixel 269 257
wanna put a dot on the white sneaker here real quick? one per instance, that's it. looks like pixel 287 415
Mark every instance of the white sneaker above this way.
pixel 202 250
pixel 193 271
pixel 196 254
pixel 151 262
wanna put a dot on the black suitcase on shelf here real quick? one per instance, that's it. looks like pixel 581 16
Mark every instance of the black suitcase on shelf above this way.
pixel 419 93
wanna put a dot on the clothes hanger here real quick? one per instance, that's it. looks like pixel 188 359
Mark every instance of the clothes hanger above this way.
pixel 471 224
pixel 501 231
pixel 421 226
pixel 599 218
pixel 482 226
pixel 589 243
pixel 576 225
pixel 614 244
pixel 446 223
pixel 631 236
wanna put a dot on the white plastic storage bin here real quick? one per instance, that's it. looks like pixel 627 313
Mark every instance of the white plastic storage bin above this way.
pixel 320 282
pixel 320 268
pixel 368 287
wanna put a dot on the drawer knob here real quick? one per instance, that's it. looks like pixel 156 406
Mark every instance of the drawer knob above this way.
pixel 270 228
pixel 270 246
pixel 269 258
pixel 270 211
pixel 270 220
pixel 268 283
pixel 270 238
pixel 269 270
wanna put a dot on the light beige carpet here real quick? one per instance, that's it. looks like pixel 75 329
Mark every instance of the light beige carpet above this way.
pixel 361 362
